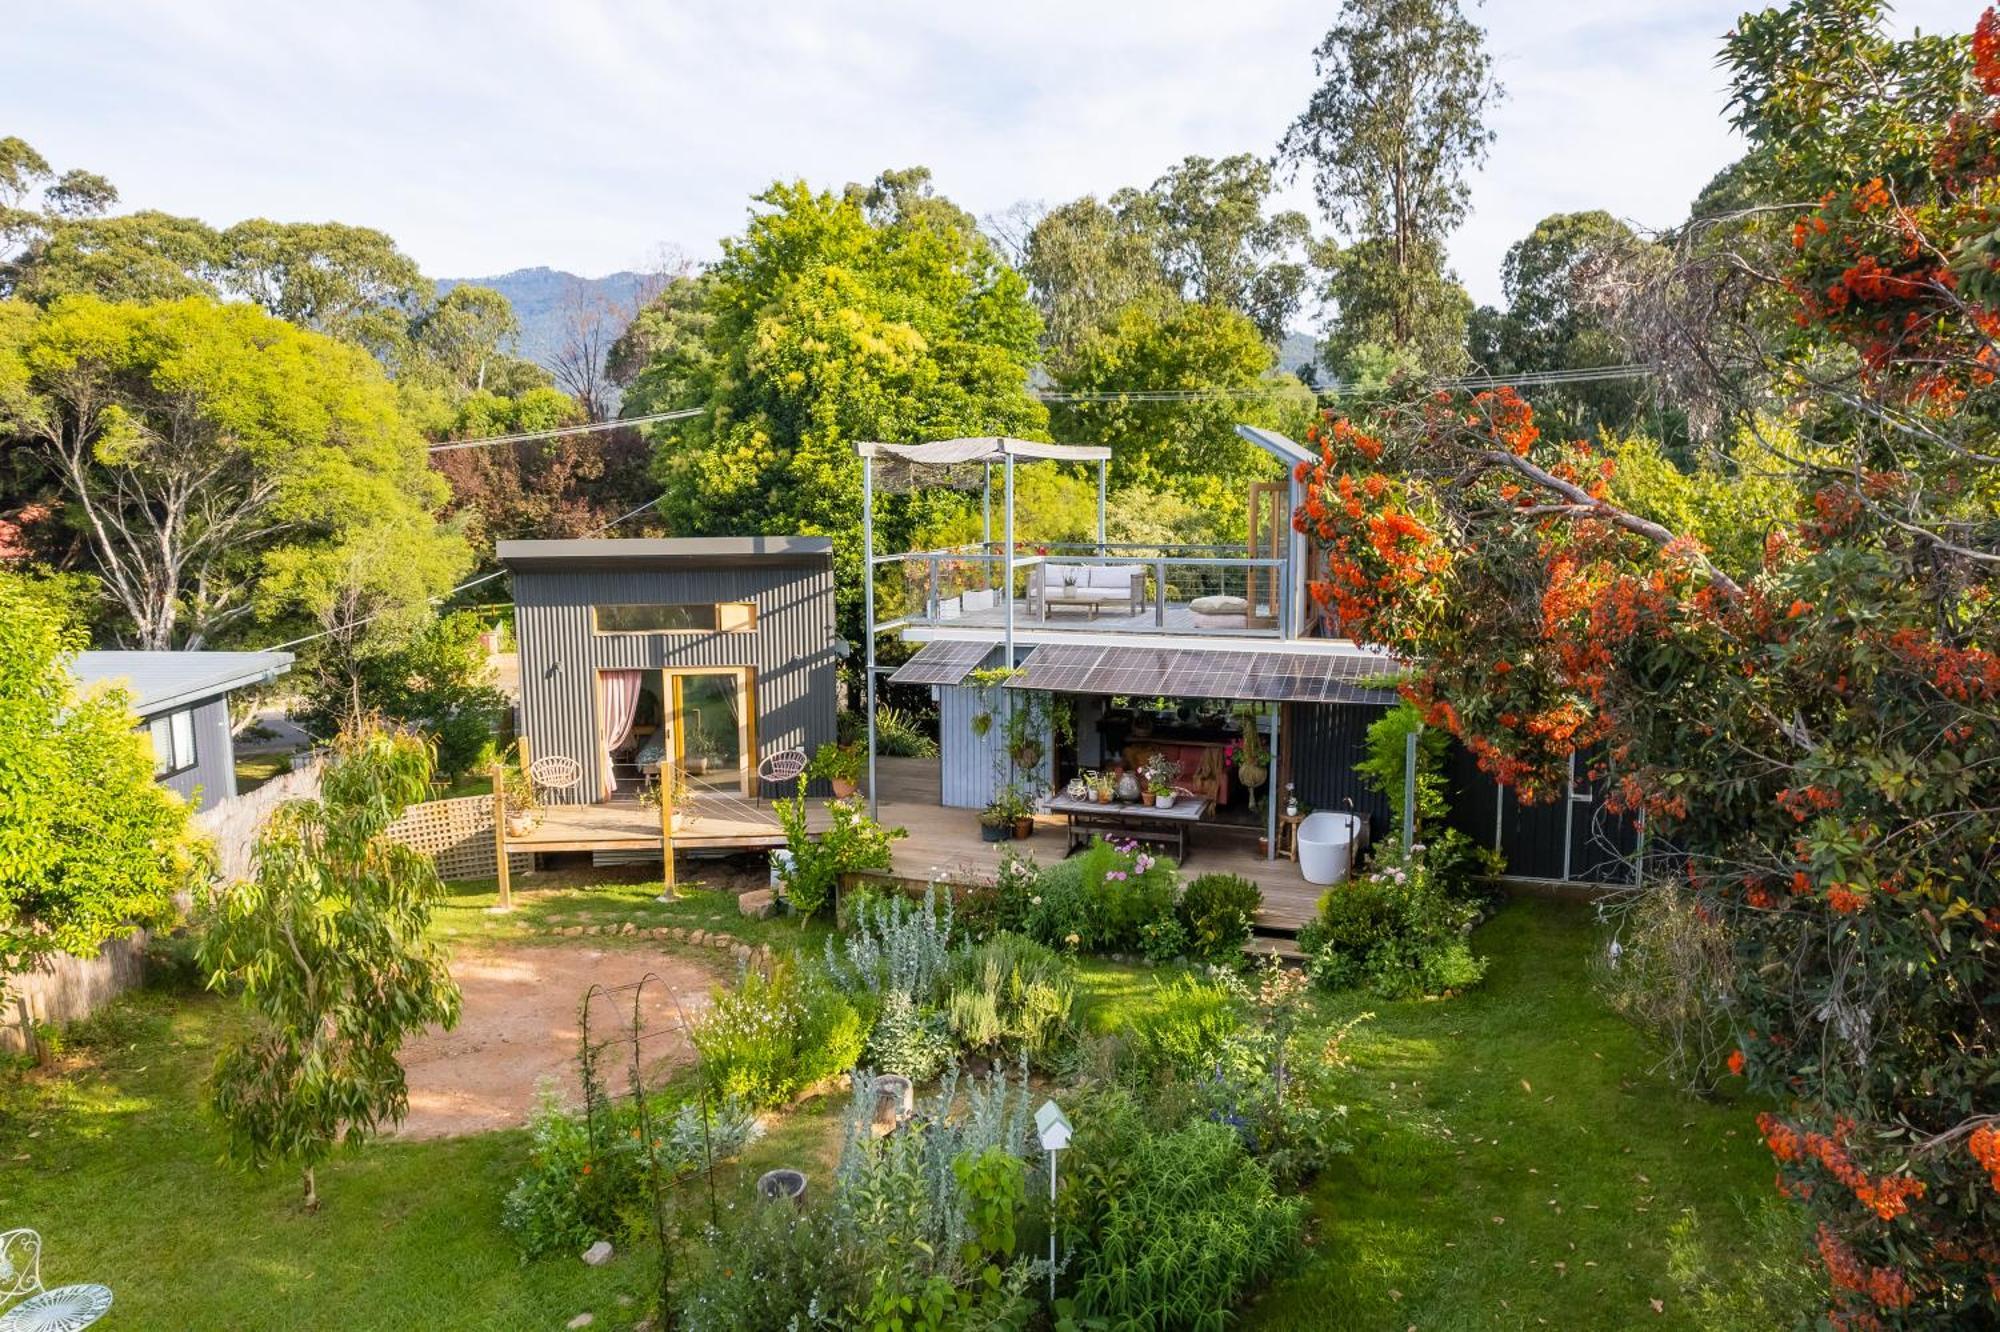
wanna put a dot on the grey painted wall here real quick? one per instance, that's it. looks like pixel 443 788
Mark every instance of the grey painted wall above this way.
pixel 212 779
pixel 791 651
pixel 972 767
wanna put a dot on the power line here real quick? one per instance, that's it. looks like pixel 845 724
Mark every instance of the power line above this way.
pixel 462 587
pixel 526 436
pixel 1527 379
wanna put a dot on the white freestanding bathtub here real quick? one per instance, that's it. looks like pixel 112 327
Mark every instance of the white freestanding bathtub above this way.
pixel 1328 844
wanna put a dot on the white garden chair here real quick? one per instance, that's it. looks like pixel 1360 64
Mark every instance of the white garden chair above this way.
pixel 64 1309
pixel 555 772
pixel 783 766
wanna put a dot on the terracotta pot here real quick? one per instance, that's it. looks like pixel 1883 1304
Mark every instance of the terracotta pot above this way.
pixel 1024 827
pixel 842 788
pixel 1146 798
pixel 520 825
pixel 1104 797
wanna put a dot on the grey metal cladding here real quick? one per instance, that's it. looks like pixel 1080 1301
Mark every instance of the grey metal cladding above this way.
pixel 792 650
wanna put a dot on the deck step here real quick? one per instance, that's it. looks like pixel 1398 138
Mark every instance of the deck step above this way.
pixel 1264 945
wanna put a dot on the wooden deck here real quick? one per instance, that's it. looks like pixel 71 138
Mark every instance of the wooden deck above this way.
pixel 941 843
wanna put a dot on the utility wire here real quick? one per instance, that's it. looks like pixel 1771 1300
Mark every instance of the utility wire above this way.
pixel 527 435
pixel 446 596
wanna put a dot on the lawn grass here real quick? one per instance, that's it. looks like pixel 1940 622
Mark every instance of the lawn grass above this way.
pixel 1525 1101
pixel 253 770
pixel 1516 1163
pixel 554 899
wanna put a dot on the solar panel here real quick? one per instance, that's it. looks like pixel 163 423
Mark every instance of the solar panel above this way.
pixel 942 663
pixel 1264 677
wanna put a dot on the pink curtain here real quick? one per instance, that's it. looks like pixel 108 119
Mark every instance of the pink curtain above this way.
pixel 621 705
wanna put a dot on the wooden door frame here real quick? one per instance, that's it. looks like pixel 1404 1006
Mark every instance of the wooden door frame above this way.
pixel 746 727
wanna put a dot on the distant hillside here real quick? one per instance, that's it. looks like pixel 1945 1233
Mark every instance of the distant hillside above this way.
pixel 538 296
pixel 1296 350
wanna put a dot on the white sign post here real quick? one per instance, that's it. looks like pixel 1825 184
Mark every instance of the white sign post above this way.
pixel 1052 1127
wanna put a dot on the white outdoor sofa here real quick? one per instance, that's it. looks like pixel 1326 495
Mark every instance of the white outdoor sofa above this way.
pixel 1087 587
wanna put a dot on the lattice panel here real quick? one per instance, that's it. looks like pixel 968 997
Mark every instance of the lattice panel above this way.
pixel 457 835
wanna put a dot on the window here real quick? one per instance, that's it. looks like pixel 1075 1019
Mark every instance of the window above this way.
pixel 729 617
pixel 173 743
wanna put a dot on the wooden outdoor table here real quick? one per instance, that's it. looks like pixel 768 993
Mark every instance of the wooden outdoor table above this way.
pixel 1145 823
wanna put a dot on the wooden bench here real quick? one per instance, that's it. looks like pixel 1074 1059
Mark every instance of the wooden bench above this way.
pixel 1142 823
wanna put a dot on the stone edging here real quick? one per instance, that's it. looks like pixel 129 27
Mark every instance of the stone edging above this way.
pixel 716 939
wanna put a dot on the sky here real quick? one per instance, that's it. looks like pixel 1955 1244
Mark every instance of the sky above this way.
pixel 595 135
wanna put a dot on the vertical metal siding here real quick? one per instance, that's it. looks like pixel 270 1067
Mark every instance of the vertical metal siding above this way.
pixel 212 779
pixel 1326 740
pixel 972 768
pixel 791 652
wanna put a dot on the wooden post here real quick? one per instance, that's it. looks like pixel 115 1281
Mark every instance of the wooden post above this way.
pixel 667 772
pixel 500 836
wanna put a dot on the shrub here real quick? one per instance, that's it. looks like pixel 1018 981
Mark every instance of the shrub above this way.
pixel 776 1034
pixel 894 945
pixel 1163 940
pixel 1168 1230
pixel 838 763
pixel 1184 1029
pixel 1005 901
pixel 913 1041
pixel 1395 932
pixel 852 841
pixel 574 1192
pixel 1216 911
pixel 897 733
pixel 1011 995
pixel 1101 900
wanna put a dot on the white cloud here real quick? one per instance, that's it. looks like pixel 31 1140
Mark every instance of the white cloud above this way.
pixel 490 136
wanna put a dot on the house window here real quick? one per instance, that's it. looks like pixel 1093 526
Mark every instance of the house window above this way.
pixel 173 742
pixel 729 617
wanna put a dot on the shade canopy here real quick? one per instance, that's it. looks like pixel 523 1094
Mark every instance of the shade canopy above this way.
pixel 985 448
pixel 1261 676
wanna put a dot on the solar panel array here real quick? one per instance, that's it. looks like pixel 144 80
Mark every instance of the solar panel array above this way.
pixel 942 663
pixel 1258 677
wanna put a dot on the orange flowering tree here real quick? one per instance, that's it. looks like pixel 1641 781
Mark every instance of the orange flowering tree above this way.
pixel 1813 741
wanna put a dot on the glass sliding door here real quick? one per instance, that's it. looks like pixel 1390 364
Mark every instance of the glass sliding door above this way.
pixel 712 733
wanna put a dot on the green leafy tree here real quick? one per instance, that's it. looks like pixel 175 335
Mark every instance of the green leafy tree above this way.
pixel 1391 319
pixel 1564 282
pixel 205 448
pixel 348 282
pixel 1087 262
pixel 1398 120
pixel 326 943
pixel 461 339
pixel 1189 447
pixel 91 847
pixel 827 328
pixel 438 683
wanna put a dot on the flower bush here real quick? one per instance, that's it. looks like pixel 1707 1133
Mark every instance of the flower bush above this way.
pixel 778 1032
pixel 1102 899
pixel 852 841
pixel 1393 931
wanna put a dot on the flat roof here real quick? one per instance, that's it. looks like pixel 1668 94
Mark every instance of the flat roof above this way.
pixel 659 551
pixel 1282 447
pixel 984 448
pixel 161 681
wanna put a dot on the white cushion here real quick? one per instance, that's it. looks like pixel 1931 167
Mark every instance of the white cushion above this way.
pixel 1056 575
pixel 1218 605
pixel 1114 576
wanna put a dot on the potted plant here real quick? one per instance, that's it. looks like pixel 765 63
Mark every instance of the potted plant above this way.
pixel 996 821
pixel 524 808
pixel 1102 784
pixel 1023 811
pixel 1161 774
pixel 840 766
pixel 702 750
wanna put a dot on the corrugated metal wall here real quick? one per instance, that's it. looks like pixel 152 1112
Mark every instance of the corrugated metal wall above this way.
pixel 1325 741
pixel 791 651
pixel 212 779
pixel 1575 840
pixel 973 767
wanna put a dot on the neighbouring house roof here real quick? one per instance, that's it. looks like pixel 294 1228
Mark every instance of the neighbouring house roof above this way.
pixel 663 552
pixel 162 681
pixel 1269 674
pixel 1287 451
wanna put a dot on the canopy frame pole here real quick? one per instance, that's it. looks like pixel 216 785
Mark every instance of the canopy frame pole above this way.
pixel 868 613
pixel 1102 468
pixel 986 525
pixel 1271 795
pixel 1007 560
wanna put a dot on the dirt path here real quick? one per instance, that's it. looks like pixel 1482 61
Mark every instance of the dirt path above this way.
pixel 519 1025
